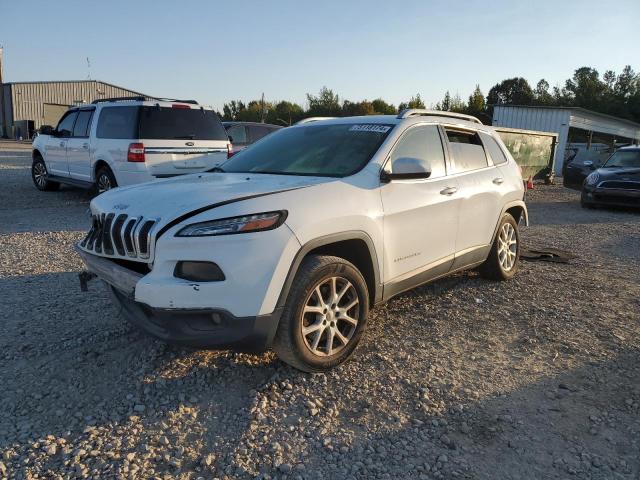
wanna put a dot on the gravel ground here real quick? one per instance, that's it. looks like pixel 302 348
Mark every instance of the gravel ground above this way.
pixel 464 378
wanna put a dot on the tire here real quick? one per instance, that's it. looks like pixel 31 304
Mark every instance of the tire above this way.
pixel 39 174
pixel 585 204
pixel 322 316
pixel 499 266
pixel 105 180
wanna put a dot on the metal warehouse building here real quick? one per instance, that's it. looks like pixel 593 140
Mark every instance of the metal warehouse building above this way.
pixel 26 106
pixel 577 128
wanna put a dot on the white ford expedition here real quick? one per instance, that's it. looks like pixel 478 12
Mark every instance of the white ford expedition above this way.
pixel 122 141
pixel 290 243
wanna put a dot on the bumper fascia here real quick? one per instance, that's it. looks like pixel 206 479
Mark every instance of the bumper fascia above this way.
pixel 213 328
pixel 207 329
pixel 611 196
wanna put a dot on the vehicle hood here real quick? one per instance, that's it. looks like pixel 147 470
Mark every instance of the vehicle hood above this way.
pixel 171 198
pixel 615 173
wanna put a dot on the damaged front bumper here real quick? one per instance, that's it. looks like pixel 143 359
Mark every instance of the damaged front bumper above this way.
pixel 200 328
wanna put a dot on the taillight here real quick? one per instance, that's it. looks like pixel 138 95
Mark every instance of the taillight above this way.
pixel 179 105
pixel 135 153
pixel 230 152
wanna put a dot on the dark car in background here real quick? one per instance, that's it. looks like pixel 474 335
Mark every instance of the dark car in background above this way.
pixel 580 160
pixel 243 134
pixel 617 182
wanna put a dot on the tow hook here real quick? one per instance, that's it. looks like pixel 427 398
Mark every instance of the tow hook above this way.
pixel 84 277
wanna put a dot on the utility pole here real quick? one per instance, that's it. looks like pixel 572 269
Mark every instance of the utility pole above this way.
pixel 3 116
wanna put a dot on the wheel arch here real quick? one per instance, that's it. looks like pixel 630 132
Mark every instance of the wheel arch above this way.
pixel 98 165
pixel 36 153
pixel 355 246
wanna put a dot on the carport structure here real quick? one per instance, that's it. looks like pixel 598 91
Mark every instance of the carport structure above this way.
pixel 575 127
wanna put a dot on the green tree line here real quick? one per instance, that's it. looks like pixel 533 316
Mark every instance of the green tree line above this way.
pixel 612 93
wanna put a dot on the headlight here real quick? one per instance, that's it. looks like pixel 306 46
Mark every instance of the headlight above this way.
pixel 228 226
pixel 592 179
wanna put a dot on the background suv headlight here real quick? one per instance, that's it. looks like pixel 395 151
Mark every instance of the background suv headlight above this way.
pixel 592 179
pixel 228 226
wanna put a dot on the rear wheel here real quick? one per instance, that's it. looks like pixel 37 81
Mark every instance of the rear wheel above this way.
pixel 105 180
pixel 39 175
pixel 502 262
pixel 324 316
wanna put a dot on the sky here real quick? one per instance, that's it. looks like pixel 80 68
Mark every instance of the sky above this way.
pixel 216 51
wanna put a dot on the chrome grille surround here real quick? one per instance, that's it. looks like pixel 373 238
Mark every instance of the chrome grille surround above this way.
pixel 118 235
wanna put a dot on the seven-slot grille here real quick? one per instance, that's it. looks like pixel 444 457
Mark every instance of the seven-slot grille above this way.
pixel 119 235
pixel 620 184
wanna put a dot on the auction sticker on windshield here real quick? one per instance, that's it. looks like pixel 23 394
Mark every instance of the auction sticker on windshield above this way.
pixel 370 128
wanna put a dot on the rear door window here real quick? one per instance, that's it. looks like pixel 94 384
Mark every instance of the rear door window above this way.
pixel 495 152
pixel 118 122
pixel 238 134
pixel 81 128
pixel 467 150
pixel 165 123
pixel 65 127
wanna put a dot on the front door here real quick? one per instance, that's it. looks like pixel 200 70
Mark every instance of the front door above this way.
pixel 420 216
pixel 56 149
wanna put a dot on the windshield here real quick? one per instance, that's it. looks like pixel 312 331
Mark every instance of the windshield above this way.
pixel 629 158
pixel 180 124
pixel 318 150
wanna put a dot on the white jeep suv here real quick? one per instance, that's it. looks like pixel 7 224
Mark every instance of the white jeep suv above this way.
pixel 122 141
pixel 290 243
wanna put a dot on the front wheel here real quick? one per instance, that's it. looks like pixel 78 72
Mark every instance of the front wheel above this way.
pixel 39 175
pixel 324 316
pixel 502 262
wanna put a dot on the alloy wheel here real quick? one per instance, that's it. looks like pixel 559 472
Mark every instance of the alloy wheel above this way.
pixel 40 174
pixel 507 247
pixel 104 183
pixel 330 316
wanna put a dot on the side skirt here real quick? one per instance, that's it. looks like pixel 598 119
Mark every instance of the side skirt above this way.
pixel 70 181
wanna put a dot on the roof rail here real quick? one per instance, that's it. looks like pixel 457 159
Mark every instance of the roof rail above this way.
pixel 192 102
pixel 313 119
pixel 120 99
pixel 417 112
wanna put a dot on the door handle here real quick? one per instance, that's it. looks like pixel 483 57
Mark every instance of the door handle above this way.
pixel 498 181
pixel 449 191
pixel 85 145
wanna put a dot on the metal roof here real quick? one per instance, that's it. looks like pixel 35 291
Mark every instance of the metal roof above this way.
pixel 77 81
pixel 578 109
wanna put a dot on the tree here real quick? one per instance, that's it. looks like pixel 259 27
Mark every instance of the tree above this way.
pixel 541 93
pixel 514 91
pixel 476 103
pixel 285 113
pixel 232 109
pixel 350 109
pixel 414 102
pixel 383 108
pixel 585 89
pixel 326 104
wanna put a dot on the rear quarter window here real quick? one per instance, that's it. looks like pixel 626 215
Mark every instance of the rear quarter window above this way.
pixel 118 122
pixel 495 152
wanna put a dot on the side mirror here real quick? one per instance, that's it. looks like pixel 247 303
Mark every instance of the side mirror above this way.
pixel 46 130
pixel 406 168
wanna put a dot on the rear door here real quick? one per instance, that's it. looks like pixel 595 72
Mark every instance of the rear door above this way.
pixel 56 149
pixel 181 139
pixel 479 189
pixel 78 151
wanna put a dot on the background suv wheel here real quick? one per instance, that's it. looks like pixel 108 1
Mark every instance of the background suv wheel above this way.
pixel 324 316
pixel 502 262
pixel 39 175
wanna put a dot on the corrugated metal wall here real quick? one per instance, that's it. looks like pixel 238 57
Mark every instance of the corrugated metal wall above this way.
pixel 541 119
pixel 28 98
